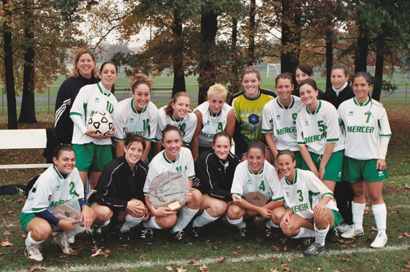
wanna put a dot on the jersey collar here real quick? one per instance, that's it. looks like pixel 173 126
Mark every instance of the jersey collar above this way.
pixel 103 90
pixel 260 172
pixel 286 107
pixel 294 181
pixel 134 110
pixel 256 97
pixel 60 176
pixel 317 109
pixel 361 104
pixel 214 114
pixel 167 160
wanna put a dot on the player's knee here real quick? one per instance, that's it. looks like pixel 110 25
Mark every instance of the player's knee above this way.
pixel 218 208
pixel 233 212
pixel 41 232
pixel 103 213
pixel 167 221
pixel 197 197
pixel 137 214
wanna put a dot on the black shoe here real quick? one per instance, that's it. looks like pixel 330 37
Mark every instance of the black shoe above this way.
pixel 332 236
pixel 147 235
pixel 96 238
pixel 124 238
pixel 307 242
pixel 200 234
pixel 240 235
pixel 314 250
pixel 219 225
pixel 250 223
pixel 180 236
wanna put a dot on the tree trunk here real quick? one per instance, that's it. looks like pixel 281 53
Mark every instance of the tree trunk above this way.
pixel 291 19
pixel 8 66
pixel 360 57
pixel 179 77
pixel 207 73
pixel 234 79
pixel 329 57
pixel 252 30
pixel 378 77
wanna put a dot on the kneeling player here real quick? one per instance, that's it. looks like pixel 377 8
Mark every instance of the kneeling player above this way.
pixel 308 198
pixel 119 192
pixel 255 175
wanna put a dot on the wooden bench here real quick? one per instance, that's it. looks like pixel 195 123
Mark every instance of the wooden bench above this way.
pixel 23 139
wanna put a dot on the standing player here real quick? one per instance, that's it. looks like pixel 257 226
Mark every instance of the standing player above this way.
pixel 94 150
pixel 248 106
pixel 308 198
pixel 367 137
pixel 253 175
pixel 213 116
pixel 56 186
pixel 137 115
pixel 279 119
pixel 177 113
pixel 173 159
pixel 302 72
pixel 319 137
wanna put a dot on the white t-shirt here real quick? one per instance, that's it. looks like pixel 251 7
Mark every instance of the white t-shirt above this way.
pixel 90 99
pixel 211 123
pixel 316 129
pixel 281 121
pixel 364 124
pixel 183 165
pixel 128 119
pixel 52 190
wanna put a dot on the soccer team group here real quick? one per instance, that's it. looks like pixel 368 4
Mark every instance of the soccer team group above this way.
pixel 294 150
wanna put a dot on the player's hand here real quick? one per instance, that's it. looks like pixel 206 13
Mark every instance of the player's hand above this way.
pixel 188 197
pixel 285 222
pixel 319 209
pixel 164 211
pixel 109 134
pixel 87 216
pixel 92 133
pixel 67 224
pixel 265 213
pixel 236 198
pixel 146 217
pixel 322 170
pixel 381 164
pixel 136 206
pixel 268 155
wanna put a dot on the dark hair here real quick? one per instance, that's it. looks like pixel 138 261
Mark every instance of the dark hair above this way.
pixel 76 72
pixel 169 128
pixel 250 70
pixel 222 134
pixel 131 137
pixel 341 66
pixel 116 69
pixel 305 68
pixel 63 147
pixel 258 145
pixel 286 75
pixel 309 81
pixel 139 79
pixel 286 152
pixel 169 110
pixel 365 75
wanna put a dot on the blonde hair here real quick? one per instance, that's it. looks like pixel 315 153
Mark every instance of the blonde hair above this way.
pixel 217 89
pixel 76 72
pixel 138 79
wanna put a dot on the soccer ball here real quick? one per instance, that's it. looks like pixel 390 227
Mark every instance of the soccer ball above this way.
pixel 101 122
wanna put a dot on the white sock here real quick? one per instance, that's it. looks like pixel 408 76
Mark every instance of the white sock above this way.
pixel 380 216
pixel 30 241
pixel 203 219
pixel 304 233
pixel 184 217
pixel 239 223
pixel 320 235
pixel 269 224
pixel 130 222
pixel 151 224
pixel 358 211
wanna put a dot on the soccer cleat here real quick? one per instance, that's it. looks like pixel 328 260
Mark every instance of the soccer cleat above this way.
pixel 307 242
pixel 343 227
pixel 180 236
pixel 124 238
pixel 96 237
pixel 352 232
pixel 332 236
pixel 240 235
pixel 219 225
pixel 380 240
pixel 33 253
pixel 200 234
pixel 61 239
pixel 147 235
pixel 314 250
pixel 71 239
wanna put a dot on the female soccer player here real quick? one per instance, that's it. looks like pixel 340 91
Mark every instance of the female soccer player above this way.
pixel 173 159
pixel 367 137
pixel 56 186
pixel 302 72
pixel 214 171
pixel 307 198
pixel 119 193
pixel 94 150
pixel 279 119
pixel 213 116
pixel 84 72
pixel 177 113
pixel 136 114
pixel 340 90
pixel 319 136
pixel 253 175
pixel 248 106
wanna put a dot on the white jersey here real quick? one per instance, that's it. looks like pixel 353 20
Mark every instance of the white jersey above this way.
pixel 304 193
pixel 91 99
pixel 128 119
pixel 281 121
pixel 211 123
pixel 316 129
pixel 52 190
pixel 187 125
pixel 183 165
pixel 265 182
pixel 364 124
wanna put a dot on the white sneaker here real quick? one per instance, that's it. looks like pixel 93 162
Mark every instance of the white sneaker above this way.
pixel 380 241
pixel 343 227
pixel 61 239
pixel 71 239
pixel 352 232
pixel 33 253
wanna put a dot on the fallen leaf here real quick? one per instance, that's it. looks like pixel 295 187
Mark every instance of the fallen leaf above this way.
pixel 215 247
pixel 395 212
pixel 273 270
pixel 276 248
pixel 258 239
pixel 408 265
pixel 260 256
pixel 6 232
pixel 21 199
pixel 219 243
pixel 6 243
pixel 284 267
pixel 273 258
pixel 23 236
pixel 1 253
pixel 181 269
pixel 283 240
pixel 169 268
pixel 236 254
pixel 8 200
pixel 220 259
pixel 406 234
pixel 101 252
pixel 37 267
pixel 202 268
pixel 142 256
pixel 239 247
pixel 289 260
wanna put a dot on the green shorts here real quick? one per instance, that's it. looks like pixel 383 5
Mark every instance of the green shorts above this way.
pixel 25 218
pixel 333 169
pixel 357 170
pixel 92 157
pixel 338 219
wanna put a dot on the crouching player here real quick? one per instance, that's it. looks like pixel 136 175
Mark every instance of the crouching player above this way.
pixel 308 199
pixel 119 192
pixel 59 184
pixel 257 177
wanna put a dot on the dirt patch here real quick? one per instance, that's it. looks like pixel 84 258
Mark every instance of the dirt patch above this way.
pixel 393 190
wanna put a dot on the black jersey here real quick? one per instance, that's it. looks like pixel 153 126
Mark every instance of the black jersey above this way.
pixel 344 95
